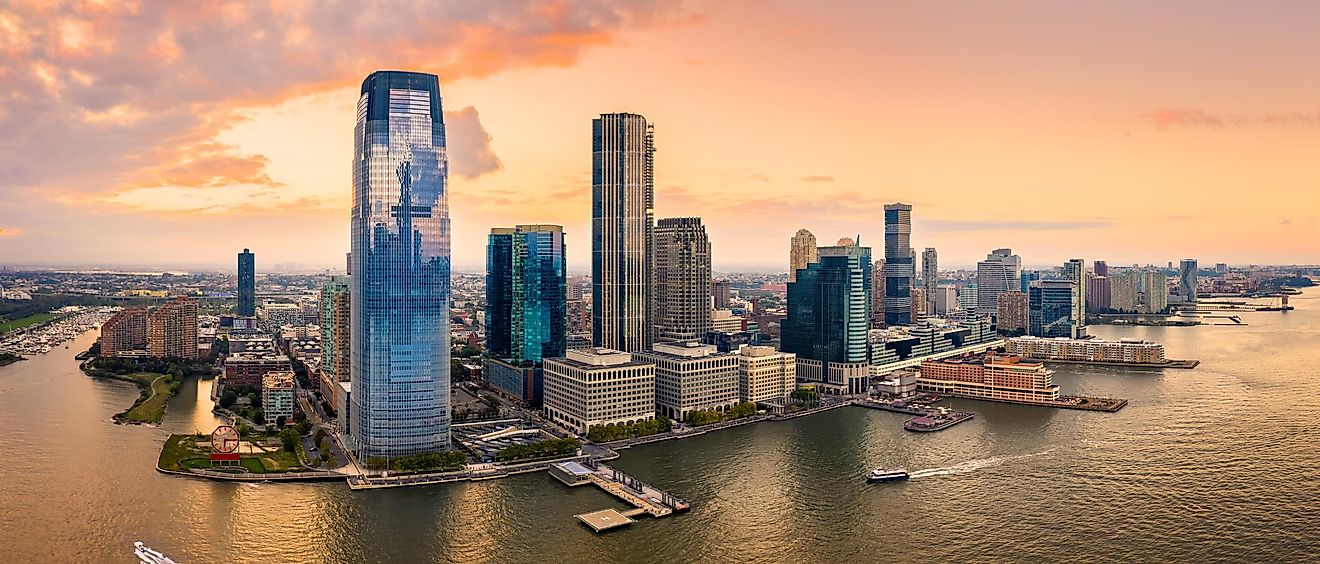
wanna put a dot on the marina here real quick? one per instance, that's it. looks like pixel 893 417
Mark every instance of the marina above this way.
pixel 69 322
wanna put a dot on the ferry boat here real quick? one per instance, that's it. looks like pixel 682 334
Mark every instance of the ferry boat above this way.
pixel 882 475
pixel 147 555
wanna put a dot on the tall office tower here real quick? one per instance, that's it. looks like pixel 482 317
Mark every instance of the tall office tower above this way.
pixel 1187 274
pixel 247 284
pixel 997 274
pixel 1100 268
pixel 1012 311
pixel 801 252
pixel 125 332
pixel 1051 308
pixel 829 318
pixel 622 203
pixel 400 293
pixel 1075 271
pixel 719 293
pixel 681 280
pixel 1153 289
pixel 526 293
pixel 1097 294
pixel 878 293
pixel 898 264
pixel 1027 277
pixel 930 277
pixel 172 329
pixel 1124 295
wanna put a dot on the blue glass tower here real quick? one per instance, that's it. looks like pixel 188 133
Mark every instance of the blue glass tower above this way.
pixel 400 264
pixel 829 307
pixel 1050 305
pixel 899 269
pixel 247 284
pixel 526 293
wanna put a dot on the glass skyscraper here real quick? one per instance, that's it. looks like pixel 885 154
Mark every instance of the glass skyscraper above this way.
pixel 526 293
pixel 400 264
pixel 1050 305
pixel 247 284
pixel 898 264
pixel 622 219
pixel 829 307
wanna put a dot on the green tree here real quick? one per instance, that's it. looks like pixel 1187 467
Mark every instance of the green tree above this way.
pixel 289 438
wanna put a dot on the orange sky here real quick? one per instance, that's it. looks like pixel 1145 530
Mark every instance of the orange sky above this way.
pixel 1130 132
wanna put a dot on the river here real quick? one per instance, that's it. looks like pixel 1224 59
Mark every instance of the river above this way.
pixel 1220 463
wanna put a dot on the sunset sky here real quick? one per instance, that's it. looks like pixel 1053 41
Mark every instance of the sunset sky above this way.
pixel 160 133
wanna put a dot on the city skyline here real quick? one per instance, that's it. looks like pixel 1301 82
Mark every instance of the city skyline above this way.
pixel 211 160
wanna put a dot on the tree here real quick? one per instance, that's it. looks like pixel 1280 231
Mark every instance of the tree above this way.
pixel 290 439
pixel 279 421
pixel 228 398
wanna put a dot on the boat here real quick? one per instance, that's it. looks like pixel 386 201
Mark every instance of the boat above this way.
pixel 147 555
pixel 882 475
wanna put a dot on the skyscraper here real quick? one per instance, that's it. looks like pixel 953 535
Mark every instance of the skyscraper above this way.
pixel 1097 294
pixel 1075 271
pixel 526 293
pixel 1100 268
pixel 829 318
pixel 172 329
pixel 1011 312
pixel 1027 277
pixel 336 341
pixel 682 280
pixel 1187 275
pixel 400 292
pixel 997 274
pixel 801 252
pixel 622 204
pixel 1153 289
pixel 930 277
pixel 719 293
pixel 1124 293
pixel 1051 308
pixel 247 284
pixel 878 292
pixel 898 264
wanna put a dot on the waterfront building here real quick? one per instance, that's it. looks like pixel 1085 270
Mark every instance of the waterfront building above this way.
pixel 898 264
pixel 1051 305
pixel 766 375
pixel 1075 271
pixel 172 329
pixel 1098 294
pixel 401 266
pixel 969 297
pixel 246 369
pixel 828 317
pixel 622 203
pixel 1124 295
pixel 1187 278
pixel 526 293
pixel 900 384
pixel 900 347
pixel 247 284
pixel 930 278
pixel 336 330
pixel 1026 278
pixel 598 386
pixel 1129 351
pixel 1012 311
pixel 277 396
pixel 719 294
pixel 990 377
pixel 125 333
pixel 946 299
pixel 801 252
pixel 692 377
pixel 1153 289
pixel 995 275
pixel 520 381
pixel 681 282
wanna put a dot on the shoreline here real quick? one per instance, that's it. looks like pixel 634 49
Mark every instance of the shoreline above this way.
pixel 1168 363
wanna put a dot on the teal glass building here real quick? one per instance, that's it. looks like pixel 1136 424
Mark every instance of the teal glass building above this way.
pixel 829 307
pixel 1050 305
pixel 526 293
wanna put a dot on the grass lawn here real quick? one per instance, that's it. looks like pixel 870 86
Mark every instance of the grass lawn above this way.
pixel 28 321
pixel 181 453
pixel 150 406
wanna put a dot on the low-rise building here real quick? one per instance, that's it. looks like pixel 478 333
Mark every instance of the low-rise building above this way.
pixel 900 384
pixel 1129 351
pixel 989 377
pixel 277 396
pixel 523 382
pixel 766 375
pixel 246 369
pixel 590 387
pixel 690 377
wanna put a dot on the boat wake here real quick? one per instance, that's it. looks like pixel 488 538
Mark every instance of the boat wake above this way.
pixel 972 465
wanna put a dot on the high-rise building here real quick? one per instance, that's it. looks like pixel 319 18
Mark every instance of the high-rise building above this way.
pixel 277 396
pixel 594 387
pixel 1153 289
pixel 1124 295
pixel 765 375
pixel 125 333
pixel 622 203
pixel 1011 311
pixel 998 273
pixel 336 329
pixel 691 377
pixel 801 252
pixel 1051 305
pixel 898 264
pixel 919 304
pixel 526 293
pixel 719 293
pixel 1075 271
pixel 172 329
pixel 1097 294
pixel 247 284
pixel 946 299
pixel 1027 277
pixel 878 292
pixel 829 317
pixel 400 293
pixel 1100 268
pixel 968 297
pixel 930 277
pixel 1187 275
pixel 681 286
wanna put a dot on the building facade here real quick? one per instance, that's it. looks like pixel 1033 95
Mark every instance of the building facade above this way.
pixel 990 377
pixel 1188 272
pixel 998 273
pixel 1051 304
pixel 930 278
pixel 681 287
pixel 336 334
pixel 1128 351
pixel 720 294
pixel 247 284
pixel 623 204
pixel 125 333
pixel 526 293
pixel 1075 271
pixel 277 396
pixel 172 329
pixel 246 369
pixel 401 266
pixel 829 313
pixel 1098 294
pixel 1012 311
pixel 801 252
pixel 522 382
pixel 766 375
pixel 593 387
pixel 898 264
pixel 691 377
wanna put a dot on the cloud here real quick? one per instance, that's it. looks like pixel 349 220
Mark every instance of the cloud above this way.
pixel 958 225
pixel 817 178
pixel 1165 119
pixel 759 177
pixel 99 98
pixel 1286 222
pixel 468 144
pixel 10 232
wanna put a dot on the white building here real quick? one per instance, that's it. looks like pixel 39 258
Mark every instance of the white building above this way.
pixel 724 321
pixel 946 299
pixel 1134 351
pixel 278 315
pixel 277 396
pixel 590 387
pixel 766 375
pixel 691 377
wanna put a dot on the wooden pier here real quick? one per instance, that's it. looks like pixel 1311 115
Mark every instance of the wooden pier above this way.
pixel 645 499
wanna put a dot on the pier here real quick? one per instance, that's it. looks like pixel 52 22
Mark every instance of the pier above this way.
pixel 645 499
pixel 928 419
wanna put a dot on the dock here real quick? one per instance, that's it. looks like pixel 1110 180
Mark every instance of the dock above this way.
pixel 927 419
pixel 644 498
